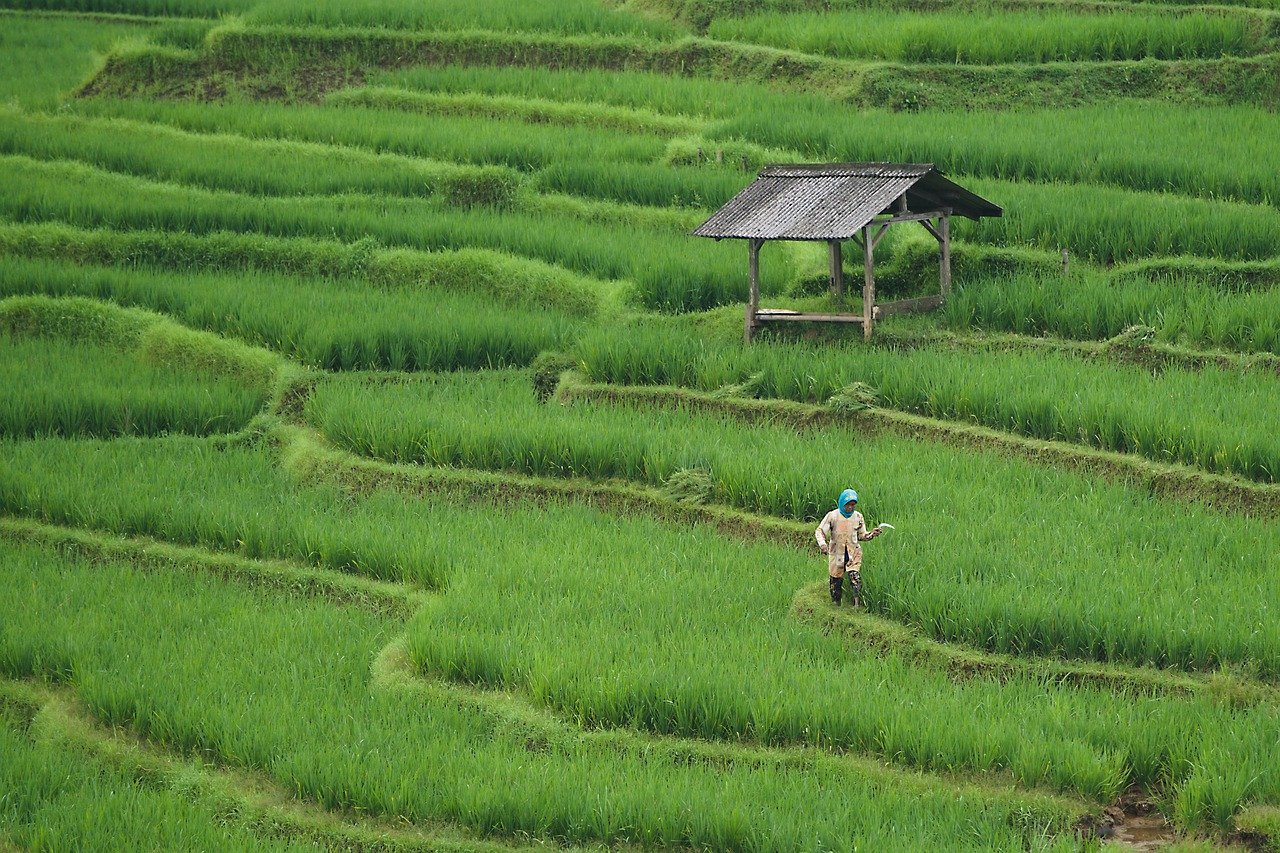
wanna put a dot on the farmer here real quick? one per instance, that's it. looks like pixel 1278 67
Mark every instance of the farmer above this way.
pixel 838 536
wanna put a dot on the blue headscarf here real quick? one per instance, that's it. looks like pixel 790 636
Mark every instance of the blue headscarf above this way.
pixel 846 496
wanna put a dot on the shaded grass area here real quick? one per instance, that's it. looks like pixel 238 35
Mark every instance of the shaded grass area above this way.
pixel 221 641
pixel 1111 406
pixel 990 574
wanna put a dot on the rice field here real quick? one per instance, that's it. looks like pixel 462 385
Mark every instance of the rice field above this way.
pixel 305 550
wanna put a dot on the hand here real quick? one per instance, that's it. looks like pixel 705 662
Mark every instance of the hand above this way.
pixel 824 549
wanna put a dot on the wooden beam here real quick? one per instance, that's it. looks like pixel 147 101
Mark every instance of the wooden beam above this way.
pixel 912 217
pixel 944 265
pixel 879 235
pixel 753 299
pixel 908 306
pixel 773 316
pixel 868 282
pixel 928 226
pixel 837 269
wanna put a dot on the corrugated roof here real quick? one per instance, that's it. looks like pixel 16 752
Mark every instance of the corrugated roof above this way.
pixel 833 201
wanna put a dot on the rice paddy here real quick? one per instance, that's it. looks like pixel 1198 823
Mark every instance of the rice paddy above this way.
pixel 381 466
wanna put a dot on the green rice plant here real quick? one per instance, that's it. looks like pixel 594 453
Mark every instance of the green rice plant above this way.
pixel 529 110
pixel 998 34
pixel 985 569
pixel 161 652
pixel 267 167
pixel 670 273
pixel 667 633
pixel 1094 306
pixel 47 56
pixel 335 325
pixel 1111 406
pixel 175 8
pixel 659 185
pixel 1135 144
pixel 455 138
pixel 52 797
pixel 64 388
pixel 569 16
pixel 689 99
pixel 512 281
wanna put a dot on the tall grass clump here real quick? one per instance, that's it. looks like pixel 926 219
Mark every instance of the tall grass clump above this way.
pixel 1110 406
pixel 672 274
pixel 160 653
pixel 334 325
pixel 265 167
pixel 998 35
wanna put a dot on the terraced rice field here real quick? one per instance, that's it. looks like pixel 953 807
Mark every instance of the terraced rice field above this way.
pixel 381 466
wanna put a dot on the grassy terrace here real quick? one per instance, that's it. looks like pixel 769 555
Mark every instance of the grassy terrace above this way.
pixel 382 468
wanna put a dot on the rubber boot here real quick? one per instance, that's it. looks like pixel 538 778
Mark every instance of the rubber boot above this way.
pixel 835 590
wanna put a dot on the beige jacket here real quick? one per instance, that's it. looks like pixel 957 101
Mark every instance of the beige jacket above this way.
pixel 837 535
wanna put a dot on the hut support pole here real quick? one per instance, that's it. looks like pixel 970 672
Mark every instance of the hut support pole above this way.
pixel 837 270
pixel 869 282
pixel 944 247
pixel 753 300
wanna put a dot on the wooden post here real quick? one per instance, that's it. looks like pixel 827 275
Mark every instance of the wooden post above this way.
pixel 753 300
pixel 944 266
pixel 837 270
pixel 1066 261
pixel 868 283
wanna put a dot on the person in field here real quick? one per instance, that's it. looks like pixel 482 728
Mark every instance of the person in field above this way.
pixel 839 536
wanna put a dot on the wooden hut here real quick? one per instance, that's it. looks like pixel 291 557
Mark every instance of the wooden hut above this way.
pixel 844 201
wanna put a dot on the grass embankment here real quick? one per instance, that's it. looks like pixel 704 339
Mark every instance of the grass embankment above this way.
pixel 784 682
pixel 667 274
pixel 160 678
pixel 996 583
pixel 76 367
pixel 46 56
pixel 245 59
pixel 1112 406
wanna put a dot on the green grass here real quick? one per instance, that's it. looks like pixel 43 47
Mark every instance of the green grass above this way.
pixel 335 325
pixel 1094 306
pixel 60 387
pixel 670 271
pixel 1134 144
pixel 160 648
pixel 566 16
pixel 1110 406
pixel 997 35
pixel 265 167
pixel 989 573
pixel 646 643
pixel 44 57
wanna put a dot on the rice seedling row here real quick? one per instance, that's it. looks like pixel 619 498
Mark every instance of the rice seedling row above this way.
pixel 667 275
pixel 988 574
pixel 304 667
pixel 645 664
pixel 1110 406
pixel 999 34
pixel 60 388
